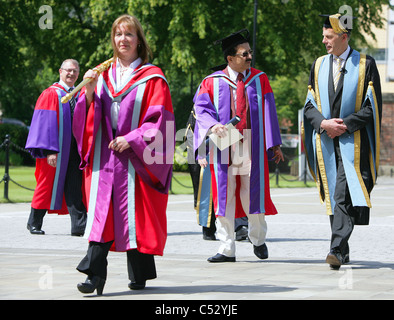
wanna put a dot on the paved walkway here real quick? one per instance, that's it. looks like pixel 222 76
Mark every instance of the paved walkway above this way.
pixel 43 267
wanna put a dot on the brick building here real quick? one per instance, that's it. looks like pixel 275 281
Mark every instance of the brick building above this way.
pixel 382 49
pixel 387 139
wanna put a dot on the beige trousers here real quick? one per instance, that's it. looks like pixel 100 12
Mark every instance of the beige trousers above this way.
pixel 257 228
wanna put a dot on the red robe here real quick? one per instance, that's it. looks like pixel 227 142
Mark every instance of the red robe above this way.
pixel 50 132
pixel 127 195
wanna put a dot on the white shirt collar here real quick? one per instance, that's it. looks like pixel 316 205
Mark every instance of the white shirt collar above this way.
pixel 120 82
pixel 63 84
pixel 234 74
pixel 344 55
pixel 133 65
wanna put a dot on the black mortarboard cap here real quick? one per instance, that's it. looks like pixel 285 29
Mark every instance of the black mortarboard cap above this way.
pixel 233 39
pixel 337 22
pixel 219 67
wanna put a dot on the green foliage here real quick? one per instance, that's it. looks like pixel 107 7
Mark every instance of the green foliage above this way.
pixel 290 96
pixel 180 32
pixel 180 160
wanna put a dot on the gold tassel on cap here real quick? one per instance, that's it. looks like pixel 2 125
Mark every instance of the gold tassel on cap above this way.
pixel 336 23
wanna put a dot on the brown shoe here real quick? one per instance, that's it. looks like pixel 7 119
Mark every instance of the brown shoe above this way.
pixel 334 259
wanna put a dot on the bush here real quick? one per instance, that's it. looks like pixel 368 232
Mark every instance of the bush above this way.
pixel 18 136
pixel 180 160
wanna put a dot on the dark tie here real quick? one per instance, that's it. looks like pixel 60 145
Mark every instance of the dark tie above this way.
pixel 241 103
pixel 72 103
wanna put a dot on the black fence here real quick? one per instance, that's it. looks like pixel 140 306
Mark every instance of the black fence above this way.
pixel 281 171
pixel 6 144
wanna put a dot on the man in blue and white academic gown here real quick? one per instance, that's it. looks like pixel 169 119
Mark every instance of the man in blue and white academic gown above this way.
pixel 341 132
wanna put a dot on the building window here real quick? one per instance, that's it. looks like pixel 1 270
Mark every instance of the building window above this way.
pixel 379 54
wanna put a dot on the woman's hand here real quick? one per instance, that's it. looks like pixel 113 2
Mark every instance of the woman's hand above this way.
pixel 119 144
pixel 89 87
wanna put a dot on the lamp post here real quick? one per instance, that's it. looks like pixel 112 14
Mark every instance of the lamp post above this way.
pixel 254 33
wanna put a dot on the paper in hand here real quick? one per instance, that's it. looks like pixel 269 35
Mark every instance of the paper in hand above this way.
pixel 233 135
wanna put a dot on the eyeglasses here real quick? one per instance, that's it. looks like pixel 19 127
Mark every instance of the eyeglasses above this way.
pixel 70 70
pixel 245 54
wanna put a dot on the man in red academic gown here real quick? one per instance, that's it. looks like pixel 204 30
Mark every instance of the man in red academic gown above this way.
pixel 50 141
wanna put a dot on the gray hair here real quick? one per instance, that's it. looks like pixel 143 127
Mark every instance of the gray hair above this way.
pixel 73 61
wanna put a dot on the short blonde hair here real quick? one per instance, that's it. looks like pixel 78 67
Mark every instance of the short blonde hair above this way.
pixel 144 51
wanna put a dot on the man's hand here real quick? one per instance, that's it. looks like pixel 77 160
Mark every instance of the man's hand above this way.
pixel 278 155
pixel 202 162
pixel 334 127
pixel 52 160
pixel 220 130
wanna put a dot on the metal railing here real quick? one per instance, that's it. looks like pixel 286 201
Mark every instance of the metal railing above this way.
pixel 6 178
pixel 7 143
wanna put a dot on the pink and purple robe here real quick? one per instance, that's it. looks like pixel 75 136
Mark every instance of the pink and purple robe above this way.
pixel 127 192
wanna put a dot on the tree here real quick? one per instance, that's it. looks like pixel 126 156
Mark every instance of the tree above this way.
pixel 180 32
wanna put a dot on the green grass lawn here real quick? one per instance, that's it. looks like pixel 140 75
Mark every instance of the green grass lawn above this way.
pixel 181 183
pixel 17 192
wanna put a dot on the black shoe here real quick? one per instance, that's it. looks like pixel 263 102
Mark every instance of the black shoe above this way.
pixel 241 233
pixel 136 285
pixel 261 252
pixel 221 258
pixel 91 284
pixel 77 234
pixel 35 230
pixel 335 259
pixel 209 237
pixel 208 233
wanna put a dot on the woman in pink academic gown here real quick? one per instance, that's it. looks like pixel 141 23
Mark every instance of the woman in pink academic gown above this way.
pixel 126 136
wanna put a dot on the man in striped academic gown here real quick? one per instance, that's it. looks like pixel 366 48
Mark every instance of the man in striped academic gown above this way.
pixel 238 179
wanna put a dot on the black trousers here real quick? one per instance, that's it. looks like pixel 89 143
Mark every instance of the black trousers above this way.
pixel 36 217
pixel 72 194
pixel 140 266
pixel 73 191
pixel 345 215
